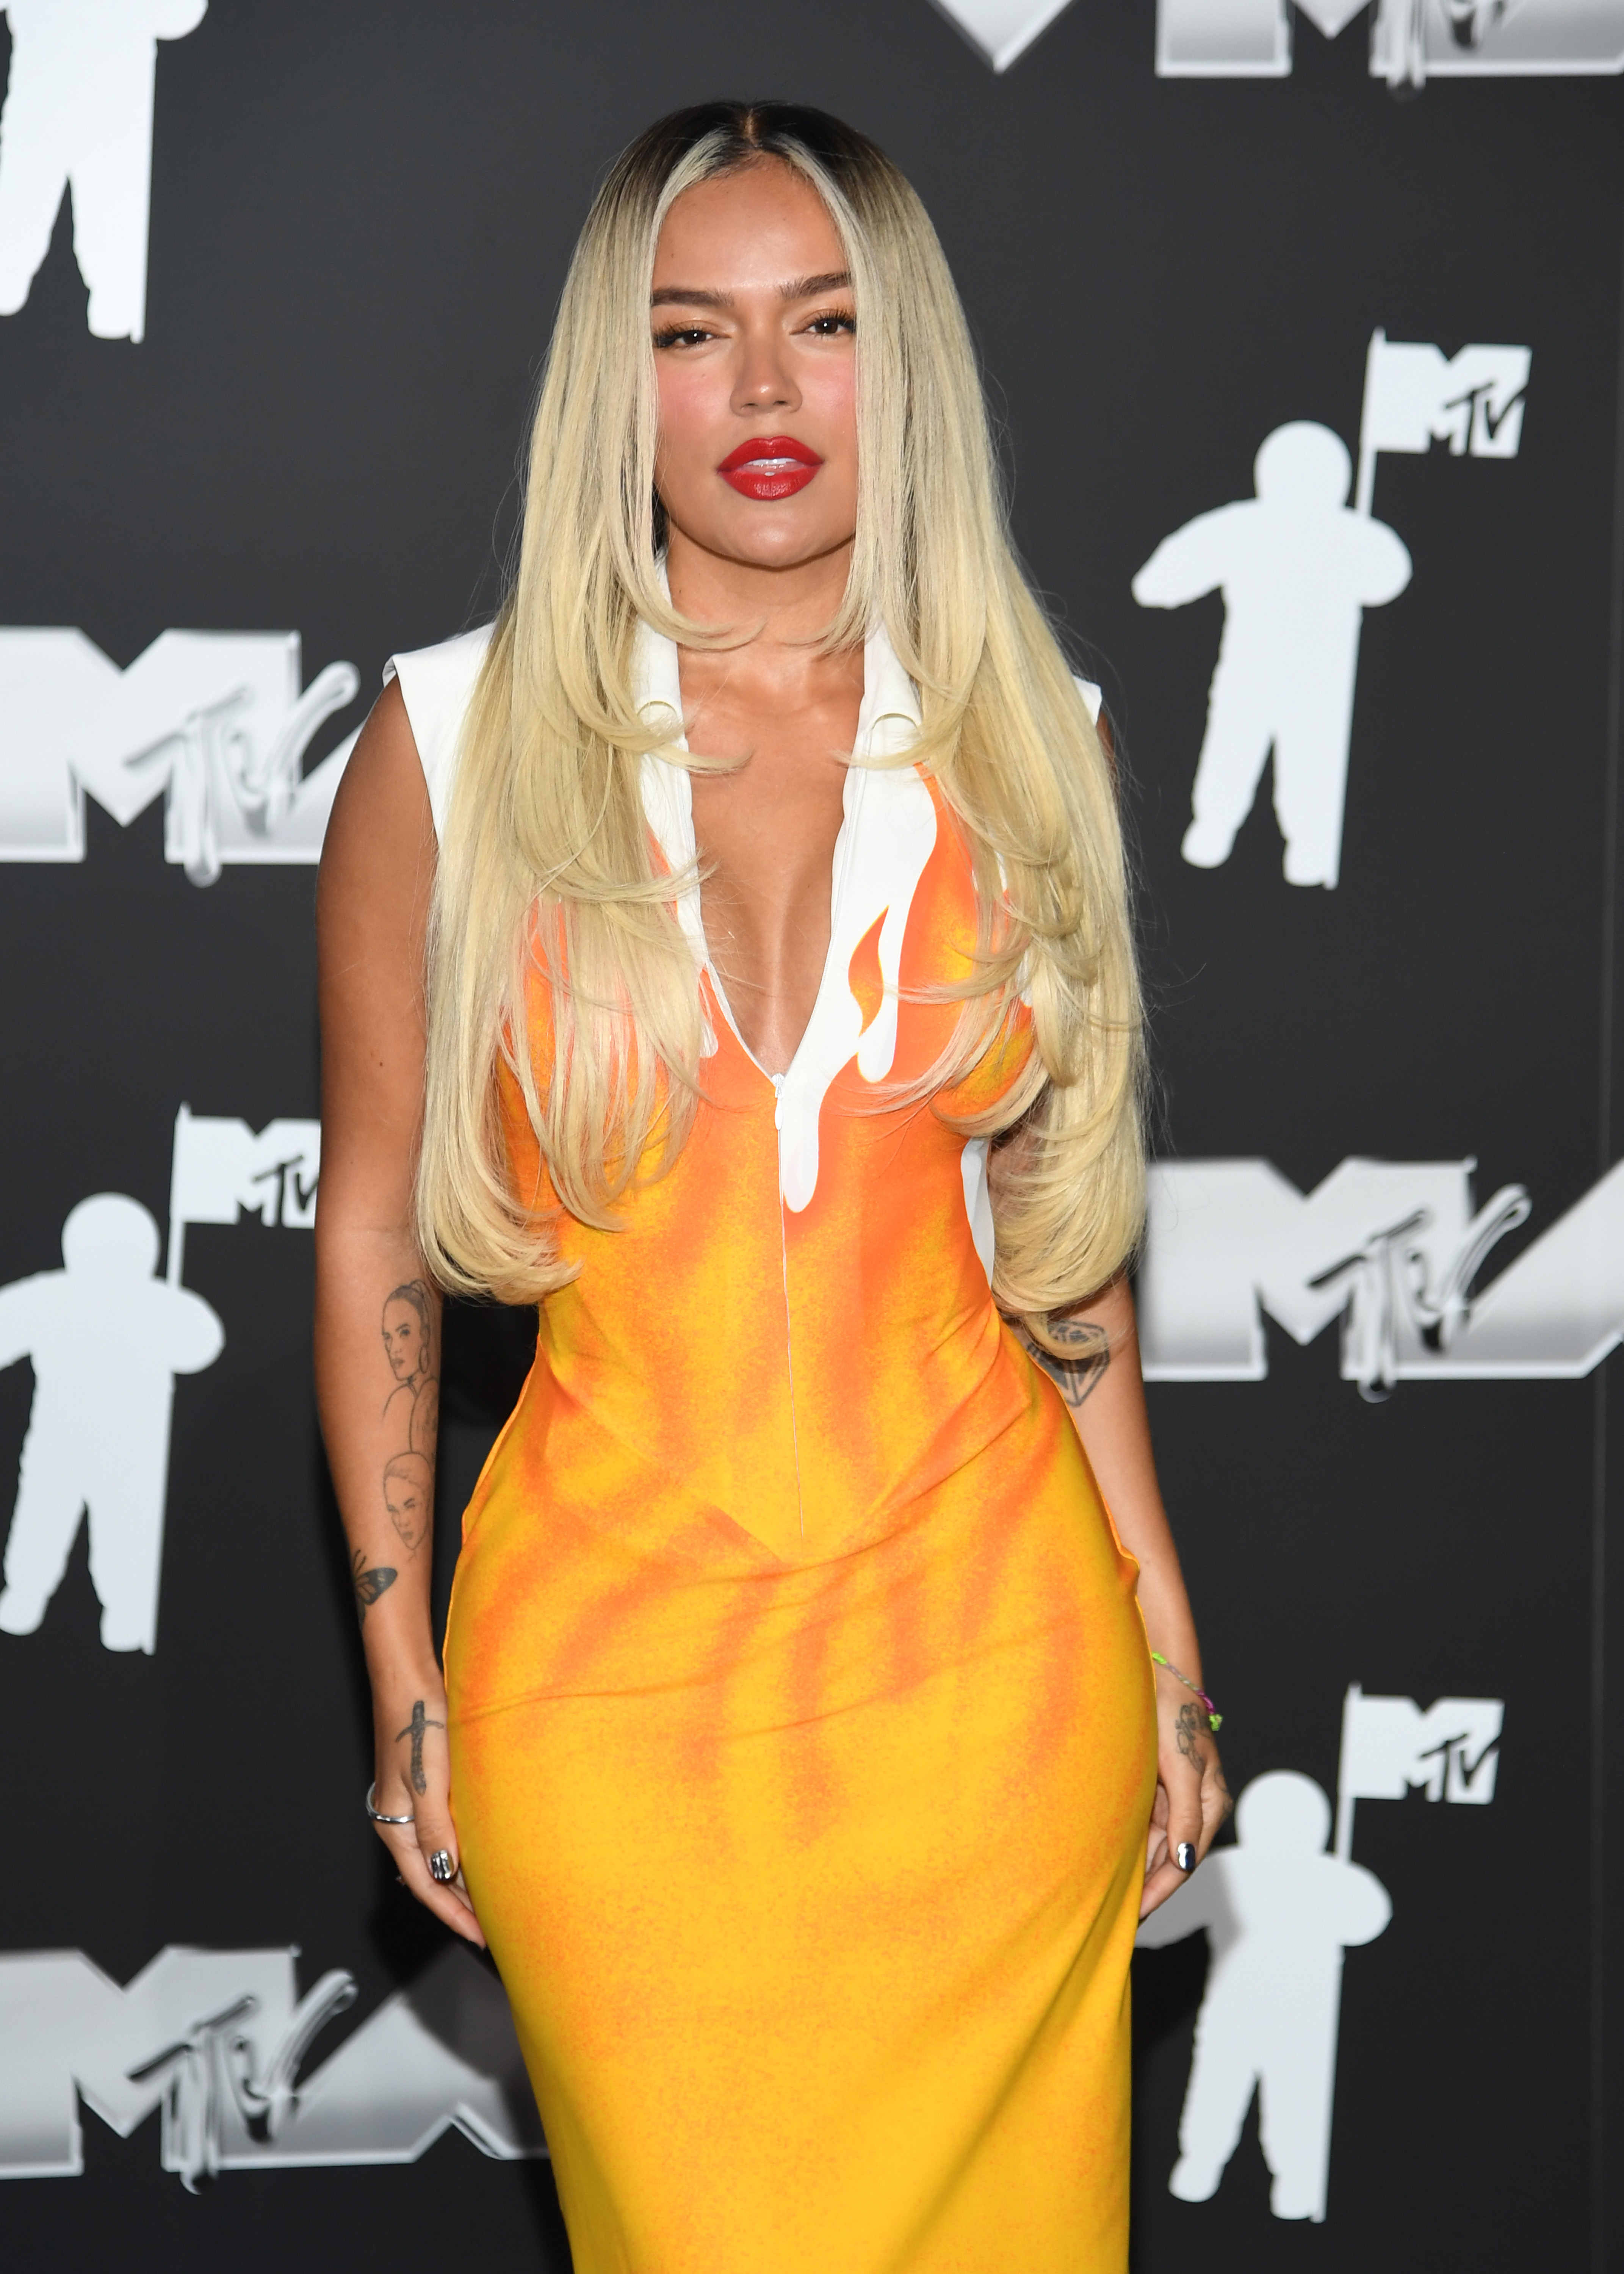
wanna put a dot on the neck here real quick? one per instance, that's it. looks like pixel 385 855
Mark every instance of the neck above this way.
pixel 791 605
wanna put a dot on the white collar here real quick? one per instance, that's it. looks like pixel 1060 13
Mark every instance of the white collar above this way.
pixel 880 855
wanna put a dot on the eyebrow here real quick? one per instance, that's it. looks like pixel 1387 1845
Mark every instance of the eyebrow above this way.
pixel 798 288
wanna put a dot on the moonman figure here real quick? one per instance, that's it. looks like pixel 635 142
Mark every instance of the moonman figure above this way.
pixel 78 116
pixel 1298 568
pixel 1278 1912
pixel 107 1339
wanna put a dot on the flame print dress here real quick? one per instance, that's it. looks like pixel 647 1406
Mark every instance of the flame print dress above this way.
pixel 802 1723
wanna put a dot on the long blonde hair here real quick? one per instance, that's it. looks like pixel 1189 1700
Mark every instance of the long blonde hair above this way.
pixel 546 875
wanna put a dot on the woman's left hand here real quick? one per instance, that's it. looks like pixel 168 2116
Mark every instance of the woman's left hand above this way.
pixel 1192 1799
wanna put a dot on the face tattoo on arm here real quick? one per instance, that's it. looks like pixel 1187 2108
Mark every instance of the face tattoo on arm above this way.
pixel 412 1408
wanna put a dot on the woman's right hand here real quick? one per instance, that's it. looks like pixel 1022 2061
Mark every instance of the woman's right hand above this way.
pixel 414 1778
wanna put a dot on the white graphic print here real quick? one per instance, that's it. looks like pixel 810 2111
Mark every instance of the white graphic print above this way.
pixel 888 835
pixel 106 1336
pixel 1393 1248
pixel 1278 1913
pixel 1001 30
pixel 216 2038
pixel 79 118
pixel 1410 41
pixel 1298 568
pixel 213 722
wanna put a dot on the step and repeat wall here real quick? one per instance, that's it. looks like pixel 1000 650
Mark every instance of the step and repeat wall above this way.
pixel 1302 324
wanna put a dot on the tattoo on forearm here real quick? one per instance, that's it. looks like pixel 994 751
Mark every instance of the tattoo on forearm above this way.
pixel 1079 1374
pixel 417 1729
pixel 411 1411
pixel 368 1584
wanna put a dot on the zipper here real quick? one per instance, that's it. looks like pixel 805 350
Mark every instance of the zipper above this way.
pixel 776 1080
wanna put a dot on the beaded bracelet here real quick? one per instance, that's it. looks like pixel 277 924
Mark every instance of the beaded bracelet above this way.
pixel 1214 1719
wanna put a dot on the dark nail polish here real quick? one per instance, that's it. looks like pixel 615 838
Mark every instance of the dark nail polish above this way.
pixel 1183 1855
pixel 442 1867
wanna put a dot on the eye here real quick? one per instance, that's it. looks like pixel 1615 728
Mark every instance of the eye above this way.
pixel 831 324
pixel 683 336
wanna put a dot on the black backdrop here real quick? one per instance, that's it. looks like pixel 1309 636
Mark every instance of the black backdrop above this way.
pixel 361 211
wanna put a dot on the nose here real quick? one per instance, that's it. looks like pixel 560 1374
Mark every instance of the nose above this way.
pixel 763 379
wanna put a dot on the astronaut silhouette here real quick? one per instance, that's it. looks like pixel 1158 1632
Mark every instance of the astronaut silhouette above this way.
pixel 1298 568
pixel 78 116
pixel 1278 1912
pixel 107 1339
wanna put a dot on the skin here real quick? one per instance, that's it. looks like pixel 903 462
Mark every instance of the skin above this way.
pixel 754 333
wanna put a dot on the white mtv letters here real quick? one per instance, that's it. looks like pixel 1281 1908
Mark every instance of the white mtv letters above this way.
pixel 221 1172
pixel 1416 396
pixel 216 2037
pixel 79 117
pixel 1394 1245
pixel 213 722
pixel 1390 1747
pixel 107 1338
pixel 1278 1913
pixel 1410 41
pixel 1298 568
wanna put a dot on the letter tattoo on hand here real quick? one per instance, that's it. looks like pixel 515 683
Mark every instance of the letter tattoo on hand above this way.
pixel 368 1584
pixel 416 1729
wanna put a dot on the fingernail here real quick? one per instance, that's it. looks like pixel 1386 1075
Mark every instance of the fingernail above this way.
pixel 442 1868
pixel 1183 1855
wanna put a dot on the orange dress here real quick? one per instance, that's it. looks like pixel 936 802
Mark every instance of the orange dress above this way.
pixel 801 1714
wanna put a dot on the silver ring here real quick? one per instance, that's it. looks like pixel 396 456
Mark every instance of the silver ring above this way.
pixel 377 1814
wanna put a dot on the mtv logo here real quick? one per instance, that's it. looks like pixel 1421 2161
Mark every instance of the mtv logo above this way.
pixel 213 722
pixel 1412 40
pixel 218 2039
pixel 1392 1247
pixel 1415 394
pixel 1001 31
pixel 1391 1747
pixel 221 1170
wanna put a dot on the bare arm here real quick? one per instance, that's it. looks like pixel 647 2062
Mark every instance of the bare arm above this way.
pixel 1105 1395
pixel 378 1317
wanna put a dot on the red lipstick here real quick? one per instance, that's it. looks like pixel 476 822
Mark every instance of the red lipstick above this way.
pixel 769 466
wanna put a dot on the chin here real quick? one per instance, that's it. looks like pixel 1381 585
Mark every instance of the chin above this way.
pixel 775 544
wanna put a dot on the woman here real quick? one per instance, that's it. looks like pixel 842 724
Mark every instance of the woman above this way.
pixel 799 1751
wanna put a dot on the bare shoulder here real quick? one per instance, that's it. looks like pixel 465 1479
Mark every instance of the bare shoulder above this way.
pixel 380 837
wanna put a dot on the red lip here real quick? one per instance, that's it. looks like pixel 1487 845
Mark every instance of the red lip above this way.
pixel 769 466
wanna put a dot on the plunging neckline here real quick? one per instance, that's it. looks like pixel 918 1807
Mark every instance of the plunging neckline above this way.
pixel 887 832
pixel 889 701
